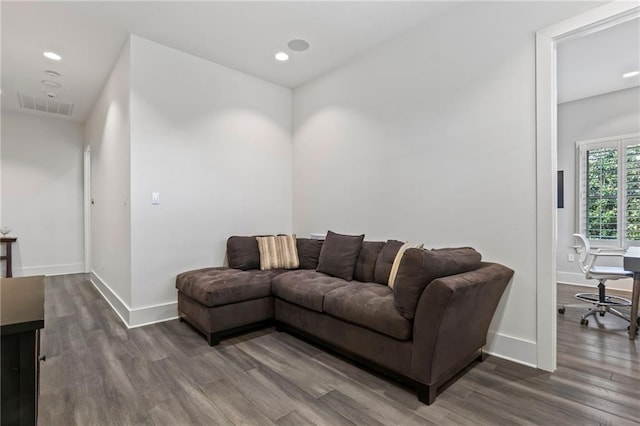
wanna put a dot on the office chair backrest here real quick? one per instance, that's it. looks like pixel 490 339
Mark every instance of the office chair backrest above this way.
pixel 582 248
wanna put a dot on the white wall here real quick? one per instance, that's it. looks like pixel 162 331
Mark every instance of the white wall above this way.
pixel 216 144
pixel 42 193
pixel 108 135
pixel 431 138
pixel 612 114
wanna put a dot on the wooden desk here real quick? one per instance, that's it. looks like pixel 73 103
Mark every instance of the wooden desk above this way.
pixel 6 242
pixel 632 263
pixel 21 318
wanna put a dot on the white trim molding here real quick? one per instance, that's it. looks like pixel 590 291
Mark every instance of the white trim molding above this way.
pixel 87 208
pixel 117 304
pixel 512 348
pixel 134 317
pixel 48 270
pixel 146 315
pixel 546 161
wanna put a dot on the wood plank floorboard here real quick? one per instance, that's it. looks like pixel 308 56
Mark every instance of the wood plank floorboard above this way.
pixel 98 372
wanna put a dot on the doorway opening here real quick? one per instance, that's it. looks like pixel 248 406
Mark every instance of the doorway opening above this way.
pixel 87 209
pixel 547 161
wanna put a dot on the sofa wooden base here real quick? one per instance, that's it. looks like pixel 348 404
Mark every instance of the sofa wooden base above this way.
pixel 213 339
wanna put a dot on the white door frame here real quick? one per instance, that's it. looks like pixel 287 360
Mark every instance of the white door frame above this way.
pixel 87 209
pixel 547 158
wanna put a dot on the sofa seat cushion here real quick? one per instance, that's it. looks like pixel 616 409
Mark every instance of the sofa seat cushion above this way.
pixel 305 288
pixel 222 286
pixel 369 305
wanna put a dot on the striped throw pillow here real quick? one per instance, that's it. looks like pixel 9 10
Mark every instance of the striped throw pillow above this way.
pixel 278 252
pixel 398 259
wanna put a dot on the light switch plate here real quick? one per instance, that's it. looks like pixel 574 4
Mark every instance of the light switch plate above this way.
pixel 155 198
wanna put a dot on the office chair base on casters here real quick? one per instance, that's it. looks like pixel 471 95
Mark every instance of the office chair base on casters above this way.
pixel 608 305
pixel 606 301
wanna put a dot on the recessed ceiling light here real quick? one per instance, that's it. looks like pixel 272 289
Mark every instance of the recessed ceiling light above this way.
pixel 52 55
pixel 630 74
pixel 52 74
pixel 298 45
pixel 50 83
pixel 281 56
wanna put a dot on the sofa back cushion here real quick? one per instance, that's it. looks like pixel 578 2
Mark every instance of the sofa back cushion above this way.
pixel 366 264
pixel 308 252
pixel 385 259
pixel 243 253
pixel 339 254
pixel 419 267
pixel 396 262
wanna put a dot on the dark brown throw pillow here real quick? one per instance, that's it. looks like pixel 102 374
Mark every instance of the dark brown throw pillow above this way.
pixel 243 253
pixel 308 252
pixel 385 261
pixel 419 267
pixel 339 254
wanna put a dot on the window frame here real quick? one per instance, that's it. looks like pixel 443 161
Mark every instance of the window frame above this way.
pixel 620 143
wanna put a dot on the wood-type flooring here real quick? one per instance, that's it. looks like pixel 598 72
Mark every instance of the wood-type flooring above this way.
pixel 98 372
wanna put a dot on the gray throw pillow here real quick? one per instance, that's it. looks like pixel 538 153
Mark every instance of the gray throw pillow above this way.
pixel 308 252
pixel 243 253
pixel 419 267
pixel 339 254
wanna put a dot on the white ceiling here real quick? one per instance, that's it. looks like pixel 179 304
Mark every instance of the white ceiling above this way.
pixel 240 35
pixel 245 36
pixel 594 64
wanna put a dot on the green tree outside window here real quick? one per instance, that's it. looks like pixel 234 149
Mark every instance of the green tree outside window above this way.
pixel 603 197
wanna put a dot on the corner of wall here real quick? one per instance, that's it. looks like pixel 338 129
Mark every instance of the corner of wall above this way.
pixel 107 132
pixel 138 317
pixel 512 348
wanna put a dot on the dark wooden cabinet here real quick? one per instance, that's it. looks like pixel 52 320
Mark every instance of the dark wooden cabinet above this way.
pixel 22 317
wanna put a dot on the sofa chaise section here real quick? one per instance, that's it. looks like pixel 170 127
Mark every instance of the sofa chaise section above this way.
pixel 224 301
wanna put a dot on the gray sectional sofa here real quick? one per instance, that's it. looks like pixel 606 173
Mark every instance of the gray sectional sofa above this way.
pixel 423 331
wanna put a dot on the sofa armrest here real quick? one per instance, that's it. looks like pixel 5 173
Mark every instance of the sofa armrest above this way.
pixel 452 320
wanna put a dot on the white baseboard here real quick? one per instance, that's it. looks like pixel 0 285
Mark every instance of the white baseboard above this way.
pixel 117 304
pixel 139 317
pixel 49 270
pixel 136 317
pixel 512 348
pixel 573 278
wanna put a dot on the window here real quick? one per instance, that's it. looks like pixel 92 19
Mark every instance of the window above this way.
pixel 609 195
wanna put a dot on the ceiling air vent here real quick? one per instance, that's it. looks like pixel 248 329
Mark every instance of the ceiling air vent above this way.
pixel 44 104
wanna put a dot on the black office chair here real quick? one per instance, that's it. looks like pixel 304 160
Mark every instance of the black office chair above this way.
pixel 603 303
